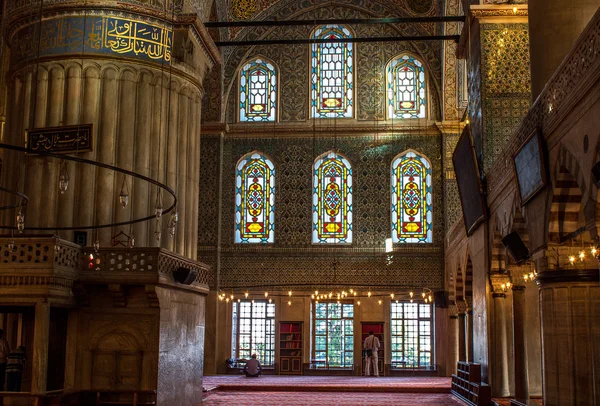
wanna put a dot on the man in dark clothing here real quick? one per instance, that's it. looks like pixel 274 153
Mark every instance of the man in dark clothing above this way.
pixel 14 369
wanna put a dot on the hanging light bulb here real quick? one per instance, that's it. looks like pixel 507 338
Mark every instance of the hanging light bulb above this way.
pixel 252 301
pixel 270 300
pixel 63 180
pixel 572 259
pixel 358 303
pixel 392 295
pixel 355 293
pixel 411 300
pixel 289 302
pixel 20 220
pixel 246 295
pixel 231 296
pixel 316 292
pixel 581 255
pixel 594 251
pixel 226 300
pixel 423 294
pixel 515 10
pixel 379 302
pixel 290 293
pixel 369 294
pixel 411 294
pixel 430 299
pixel 396 301
pixel 266 294
pixel 312 296
pixel 239 300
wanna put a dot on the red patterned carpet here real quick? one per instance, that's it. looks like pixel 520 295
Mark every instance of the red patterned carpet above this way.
pixel 241 398
pixel 328 384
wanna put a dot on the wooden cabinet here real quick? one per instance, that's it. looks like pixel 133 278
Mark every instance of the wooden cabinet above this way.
pixel 466 384
pixel 290 348
pixel 378 329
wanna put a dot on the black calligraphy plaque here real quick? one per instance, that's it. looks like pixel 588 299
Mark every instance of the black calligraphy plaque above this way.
pixel 469 184
pixel 65 139
pixel 530 169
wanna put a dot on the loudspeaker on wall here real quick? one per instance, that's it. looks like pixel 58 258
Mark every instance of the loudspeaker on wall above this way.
pixel 515 247
pixel 185 276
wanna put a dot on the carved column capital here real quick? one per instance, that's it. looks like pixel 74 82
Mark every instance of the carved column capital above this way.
pixel 499 282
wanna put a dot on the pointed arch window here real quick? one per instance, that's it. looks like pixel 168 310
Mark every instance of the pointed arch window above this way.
pixel 258 91
pixel 332 199
pixel 406 88
pixel 412 200
pixel 332 70
pixel 254 199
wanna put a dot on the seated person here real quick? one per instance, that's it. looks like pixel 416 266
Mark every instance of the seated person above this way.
pixel 252 368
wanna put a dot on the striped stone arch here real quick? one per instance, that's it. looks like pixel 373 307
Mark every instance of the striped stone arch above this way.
pixel 566 205
pixel 452 284
pixel 469 281
pixel 498 255
pixel 460 286
pixel 519 224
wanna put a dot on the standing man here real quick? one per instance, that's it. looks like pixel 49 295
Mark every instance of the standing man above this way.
pixel 371 345
pixel 4 351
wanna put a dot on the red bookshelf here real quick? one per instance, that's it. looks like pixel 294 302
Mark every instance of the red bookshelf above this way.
pixel 290 348
pixel 378 329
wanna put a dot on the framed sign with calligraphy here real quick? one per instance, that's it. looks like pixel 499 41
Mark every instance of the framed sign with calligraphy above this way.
pixel 469 183
pixel 530 167
pixel 65 139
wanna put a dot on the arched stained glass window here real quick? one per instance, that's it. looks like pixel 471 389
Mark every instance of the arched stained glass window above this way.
pixel 258 91
pixel 332 71
pixel 254 199
pixel 406 91
pixel 332 199
pixel 412 208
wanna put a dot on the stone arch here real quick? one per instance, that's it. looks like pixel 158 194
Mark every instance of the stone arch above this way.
pixel 469 281
pixel 460 285
pixel 566 215
pixel 498 254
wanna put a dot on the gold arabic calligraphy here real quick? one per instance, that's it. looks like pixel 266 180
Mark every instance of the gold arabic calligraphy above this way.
pixel 125 36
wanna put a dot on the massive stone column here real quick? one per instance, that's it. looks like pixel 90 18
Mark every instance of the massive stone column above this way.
pixel 520 344
pixel 136 76
pixel 554 25
pixel 570 316
pixel 452 348
pixel 41 336
pixel 500 385
pixel 462 334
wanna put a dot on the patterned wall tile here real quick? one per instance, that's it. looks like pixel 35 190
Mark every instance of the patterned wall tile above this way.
pixel 293 258
pixel 506 84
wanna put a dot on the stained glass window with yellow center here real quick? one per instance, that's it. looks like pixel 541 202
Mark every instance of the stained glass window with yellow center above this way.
pixel 332 70
pixel 412 208
pixel 258 91
pixel 254 199
pixel 405 85
pixel 332 199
